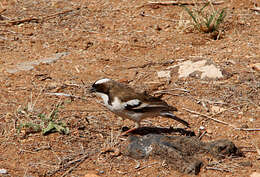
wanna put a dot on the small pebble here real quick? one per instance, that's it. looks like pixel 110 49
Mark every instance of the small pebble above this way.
pixel 3 171
pixel 166 74
pixel 251 119
pixel 244 126
pixel 101 172
pixel 202 128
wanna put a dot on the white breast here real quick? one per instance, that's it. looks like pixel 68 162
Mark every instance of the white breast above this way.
pixel 118 108
pixel 116 105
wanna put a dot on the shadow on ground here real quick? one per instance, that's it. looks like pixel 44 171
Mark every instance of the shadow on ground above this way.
pixel 159 130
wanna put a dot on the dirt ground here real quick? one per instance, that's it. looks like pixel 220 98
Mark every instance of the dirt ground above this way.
pixel 129 42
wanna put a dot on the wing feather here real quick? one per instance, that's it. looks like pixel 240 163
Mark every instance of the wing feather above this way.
pixel 131 104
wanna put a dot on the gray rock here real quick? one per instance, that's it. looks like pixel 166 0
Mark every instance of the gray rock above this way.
pixel 26 66
pixel 203 67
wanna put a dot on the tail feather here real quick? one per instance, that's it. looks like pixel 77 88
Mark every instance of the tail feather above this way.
pixel 172 116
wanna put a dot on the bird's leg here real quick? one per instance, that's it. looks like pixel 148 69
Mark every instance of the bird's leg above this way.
pixel 137 125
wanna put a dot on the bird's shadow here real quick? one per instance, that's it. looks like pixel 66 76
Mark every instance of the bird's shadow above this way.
pixel 159 130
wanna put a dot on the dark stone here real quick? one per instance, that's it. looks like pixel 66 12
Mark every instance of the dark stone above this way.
pixel 179 152
pixel 222 148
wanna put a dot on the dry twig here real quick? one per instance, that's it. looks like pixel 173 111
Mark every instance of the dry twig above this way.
pixel 152 63
pixel 201 136
pixel 34 19
pixel 256 9
pixel 218 169
pixel 166 91
pixel 78 162
pixel 166 3
pixel 149 165
pixel 220 121
pixel 257 148
pixel 206 116
pixel 3 10
pixel 228 109
pixel 247 129
pixel 61 167
pixel 66 95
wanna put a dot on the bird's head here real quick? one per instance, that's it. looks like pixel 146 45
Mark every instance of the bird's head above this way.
pixel 101 86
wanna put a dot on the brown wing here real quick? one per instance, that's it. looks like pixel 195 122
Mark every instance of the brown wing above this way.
pixel 126 93
pixel 157 101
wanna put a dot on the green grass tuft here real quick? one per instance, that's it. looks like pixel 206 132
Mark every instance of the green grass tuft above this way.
pixel 207 20
pixel 44 123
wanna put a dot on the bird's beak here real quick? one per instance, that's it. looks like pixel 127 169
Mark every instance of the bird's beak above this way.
pixel 92 90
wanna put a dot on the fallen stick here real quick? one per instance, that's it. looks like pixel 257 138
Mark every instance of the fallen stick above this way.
pixel 17 22
pixel 58 13
pixel 37 20
pixel 165 3
pixel 3 10
pixel 228 109
pixel 152 63
pixel 204 115
pixel 247 129
pixel 149 165
pixel 218 169
pixel 257 148
pixel 220 121
pixel 256 9
pixel 78 162
pixel 66 95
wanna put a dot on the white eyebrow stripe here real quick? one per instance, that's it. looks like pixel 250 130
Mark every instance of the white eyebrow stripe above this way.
pixel 101 81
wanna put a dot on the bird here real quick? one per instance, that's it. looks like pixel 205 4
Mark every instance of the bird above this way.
pixel 127 103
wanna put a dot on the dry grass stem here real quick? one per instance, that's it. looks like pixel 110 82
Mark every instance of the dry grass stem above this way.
pixel 34 19
pixel 152 64
pixel 256 9
pixel 179 3
pixel 220 121
pixel 206 116
pixel 147 166
pixel 3 10
pixel 218 169
pixel 78 162
pixel 229 109
pixel 256 147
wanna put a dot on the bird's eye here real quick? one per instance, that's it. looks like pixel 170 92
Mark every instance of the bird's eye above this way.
pixel 98 87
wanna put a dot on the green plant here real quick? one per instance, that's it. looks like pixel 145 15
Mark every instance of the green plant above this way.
pixel 30 126
pixel 52 124
pixel 42 123
pixel 205 20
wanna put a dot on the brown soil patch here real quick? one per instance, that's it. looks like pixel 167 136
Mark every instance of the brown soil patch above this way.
pixel 128 42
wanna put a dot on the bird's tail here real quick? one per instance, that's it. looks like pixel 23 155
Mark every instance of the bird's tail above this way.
pixel 172 116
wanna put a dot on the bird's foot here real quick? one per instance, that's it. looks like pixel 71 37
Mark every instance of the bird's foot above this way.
pixel 128 131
